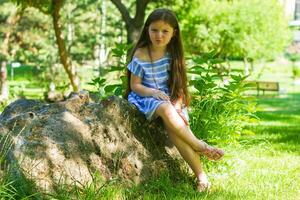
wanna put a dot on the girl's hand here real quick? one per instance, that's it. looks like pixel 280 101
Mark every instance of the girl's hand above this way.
pixel 157 94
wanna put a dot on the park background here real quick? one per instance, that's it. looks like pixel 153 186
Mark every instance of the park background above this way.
pixel 50 48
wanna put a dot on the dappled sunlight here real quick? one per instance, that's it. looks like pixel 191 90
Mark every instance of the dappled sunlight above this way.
pixel 279 127
pixel 262 172
pixel 272 123
pixel 60 47
pixel 269 109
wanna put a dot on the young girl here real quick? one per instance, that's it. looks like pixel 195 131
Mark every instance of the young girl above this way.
pixel 158 87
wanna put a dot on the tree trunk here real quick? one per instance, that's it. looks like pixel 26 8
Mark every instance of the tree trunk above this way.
pixel 133 25
pixel 132 33
pixel 63 54
pixel 251 66
pixel 4 92
pixel 247 71
pixel 11 22
pixel 103 51
pixel 3 82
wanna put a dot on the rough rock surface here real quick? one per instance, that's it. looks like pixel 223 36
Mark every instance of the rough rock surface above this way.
pixel 68 141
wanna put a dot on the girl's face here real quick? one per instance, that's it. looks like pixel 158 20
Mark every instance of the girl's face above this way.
pixel 160 33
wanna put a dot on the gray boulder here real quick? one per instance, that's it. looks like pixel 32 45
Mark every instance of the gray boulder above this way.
pixel 67 142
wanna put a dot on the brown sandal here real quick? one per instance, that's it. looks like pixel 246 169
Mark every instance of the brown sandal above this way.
pixel 212 153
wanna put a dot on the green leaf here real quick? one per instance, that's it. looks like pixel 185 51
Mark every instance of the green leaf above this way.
pixel 123 79
pixel 118 91
pixel 216 61
pixel 236 77
pixel 116 68
pixel 111 88
pixel 100 81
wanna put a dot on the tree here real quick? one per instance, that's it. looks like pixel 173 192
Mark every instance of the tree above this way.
pixel 133 24
pixel 10 21
pixel 52 8
pixel 235 29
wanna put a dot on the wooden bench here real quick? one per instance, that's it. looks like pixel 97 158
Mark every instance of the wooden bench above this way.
pixel 264 86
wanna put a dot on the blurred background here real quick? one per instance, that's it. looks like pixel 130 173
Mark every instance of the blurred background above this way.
pixel 243 60
pixel 84 44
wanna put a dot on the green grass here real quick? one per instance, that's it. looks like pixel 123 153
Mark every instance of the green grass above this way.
pixel 262 166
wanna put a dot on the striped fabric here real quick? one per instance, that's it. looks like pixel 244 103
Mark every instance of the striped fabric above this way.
pixel 154 75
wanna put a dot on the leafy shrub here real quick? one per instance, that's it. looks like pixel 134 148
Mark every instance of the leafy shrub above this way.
pixel 296 71
pixel 219 107
pixel 102 86
pixel 236 29
pixel 294 57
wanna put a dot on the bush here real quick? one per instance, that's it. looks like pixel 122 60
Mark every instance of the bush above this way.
pixel 219 107
pixel 119 87
pixel 294 57
pixel 236 29
pixel 296 71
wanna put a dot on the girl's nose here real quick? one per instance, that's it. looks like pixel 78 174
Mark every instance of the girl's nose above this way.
pixel 159 34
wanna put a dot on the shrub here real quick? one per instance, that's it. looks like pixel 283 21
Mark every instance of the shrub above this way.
pixel 219 107
pixel 236 29
pixel 118 88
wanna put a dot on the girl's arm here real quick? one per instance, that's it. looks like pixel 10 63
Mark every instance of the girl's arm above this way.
pixel 137 87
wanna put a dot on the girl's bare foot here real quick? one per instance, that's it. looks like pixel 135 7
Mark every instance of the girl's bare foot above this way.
pixel 203 185
pixel 212 153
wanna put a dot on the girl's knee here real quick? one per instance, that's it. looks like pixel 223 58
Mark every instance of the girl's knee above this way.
pixel 165 110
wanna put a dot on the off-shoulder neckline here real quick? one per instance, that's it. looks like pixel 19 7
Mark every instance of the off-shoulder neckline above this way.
pixel 155 61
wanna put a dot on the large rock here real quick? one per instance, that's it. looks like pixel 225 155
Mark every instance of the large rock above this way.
pixel 68 141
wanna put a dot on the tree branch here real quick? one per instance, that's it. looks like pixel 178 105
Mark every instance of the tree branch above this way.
pixel 63 53
pixel 123 10
pixel 140 11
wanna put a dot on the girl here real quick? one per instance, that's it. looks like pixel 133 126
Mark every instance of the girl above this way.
pixel 157 86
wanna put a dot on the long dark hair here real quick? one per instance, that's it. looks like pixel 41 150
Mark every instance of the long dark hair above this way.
pixel 177 76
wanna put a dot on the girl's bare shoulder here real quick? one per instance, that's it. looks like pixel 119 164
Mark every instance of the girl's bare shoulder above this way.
pixel 141 54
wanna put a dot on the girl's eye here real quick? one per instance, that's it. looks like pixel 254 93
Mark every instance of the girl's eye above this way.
pixel 165 31
pixel 153 30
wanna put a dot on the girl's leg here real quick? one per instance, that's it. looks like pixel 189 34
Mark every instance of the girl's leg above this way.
pixel 187 152
pixel 192 158
pixel 176 125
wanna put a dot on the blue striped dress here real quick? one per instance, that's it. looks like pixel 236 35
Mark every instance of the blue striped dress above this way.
pixel 154 75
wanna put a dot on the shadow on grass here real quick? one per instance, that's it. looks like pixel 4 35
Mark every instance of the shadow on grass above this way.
pixel 290 117
pixel 281 125
pixel 284 138
pixel 290 102
pixel 163 188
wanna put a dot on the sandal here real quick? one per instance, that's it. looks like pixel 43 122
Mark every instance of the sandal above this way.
pixel 212 153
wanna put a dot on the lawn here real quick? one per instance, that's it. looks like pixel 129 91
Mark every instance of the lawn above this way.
pixel 264 166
